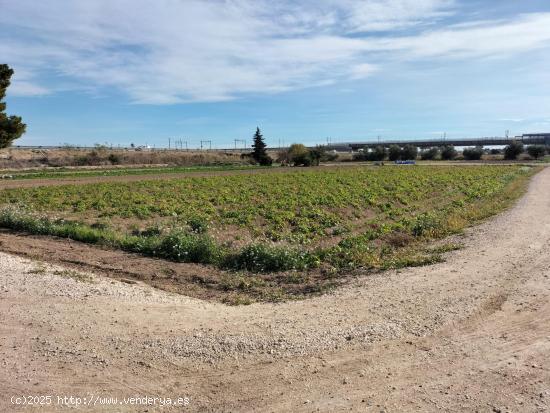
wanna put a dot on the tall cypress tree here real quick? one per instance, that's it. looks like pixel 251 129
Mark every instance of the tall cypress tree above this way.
pixel 11 127
pixel 260 154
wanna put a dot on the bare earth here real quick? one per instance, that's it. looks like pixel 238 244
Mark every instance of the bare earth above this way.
pixel 471 334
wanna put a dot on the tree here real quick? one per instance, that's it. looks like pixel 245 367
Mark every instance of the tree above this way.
pixel 473 154
pixel 394 153
pixel 260 154
pixel 409 152
pixel 513 150
pixel 536 151
pixel 320 154
pixel 377 154
pixel 299 155
pixel 448 152
pixel 11 127
pixel 429 154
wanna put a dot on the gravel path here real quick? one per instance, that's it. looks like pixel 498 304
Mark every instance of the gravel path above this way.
pixel 469 334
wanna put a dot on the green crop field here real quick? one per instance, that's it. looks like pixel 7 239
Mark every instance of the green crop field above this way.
pixel 331 220
pixel 122 171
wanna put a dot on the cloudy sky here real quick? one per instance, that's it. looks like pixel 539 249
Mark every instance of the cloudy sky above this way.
pixel 121 71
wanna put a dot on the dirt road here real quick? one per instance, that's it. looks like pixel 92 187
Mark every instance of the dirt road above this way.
pixel 470 334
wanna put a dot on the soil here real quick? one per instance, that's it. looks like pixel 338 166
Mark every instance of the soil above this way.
pixel 469 334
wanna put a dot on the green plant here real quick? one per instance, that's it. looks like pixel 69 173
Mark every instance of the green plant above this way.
pixel 264 258
pixel 394 153
pixel 408 152
pixel 345 217
pixel 376 154
pixel 448 152
pixel 11 127
pixel 198 225
pixel 473 154
pixel 181 246
pixel 512 151
pixel 536 151
pixel 299 155
pixel 429 154
pixel 260 154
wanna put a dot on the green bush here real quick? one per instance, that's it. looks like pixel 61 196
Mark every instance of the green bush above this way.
pixel 424 225
pixel 473 154
pixel 536 151
pixel 448 152
pixel 377 154
pixel 198 225
pixel 513 150
pixel 265 258
pixel 429 154
pixel 181 246
pixel 394 153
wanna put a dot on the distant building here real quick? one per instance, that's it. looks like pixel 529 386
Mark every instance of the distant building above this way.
pixel 536 138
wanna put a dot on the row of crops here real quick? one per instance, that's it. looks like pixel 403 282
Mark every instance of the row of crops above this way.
pixel 338 218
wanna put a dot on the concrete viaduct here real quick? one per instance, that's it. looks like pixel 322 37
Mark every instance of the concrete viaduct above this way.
pixel 529 139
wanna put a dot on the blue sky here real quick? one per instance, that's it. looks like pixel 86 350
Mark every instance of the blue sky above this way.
pixel 122 71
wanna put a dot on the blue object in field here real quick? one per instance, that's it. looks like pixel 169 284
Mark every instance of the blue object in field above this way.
pixel 405 162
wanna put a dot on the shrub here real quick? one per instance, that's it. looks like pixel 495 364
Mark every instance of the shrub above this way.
pixel 299 155
pixel 265 258
pixel 429 154
pixel 409 152
pixel 316 155
pixel 181 246
pixel 394 153
pixel 114 158
pixel 536 151
pixel 424 225
pixel 320 154
pixel 495 151
pixel 374 155
pixel 377 154
pixel 360 156
pixel 473 154
pixel 448 152
pixel 513 150
pixel 198 225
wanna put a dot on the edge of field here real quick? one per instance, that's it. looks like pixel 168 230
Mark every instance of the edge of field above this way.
pixel 207 282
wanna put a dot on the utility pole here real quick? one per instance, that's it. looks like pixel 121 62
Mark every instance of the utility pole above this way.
pixel 240 141
pixel 208 142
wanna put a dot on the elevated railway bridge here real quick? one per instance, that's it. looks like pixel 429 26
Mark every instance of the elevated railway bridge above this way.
pixel 528 139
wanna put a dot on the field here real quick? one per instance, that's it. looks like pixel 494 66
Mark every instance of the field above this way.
pixel 121 171
pixel 309 225
pixel 448 336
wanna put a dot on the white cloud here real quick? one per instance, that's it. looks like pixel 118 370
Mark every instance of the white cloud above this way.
pixel 363 70
pixel 22 88
pixel 485 39
pixel 171 51
pixel 383 15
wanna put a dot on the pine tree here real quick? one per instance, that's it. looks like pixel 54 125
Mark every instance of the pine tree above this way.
pixel 11 127
pixel 260 154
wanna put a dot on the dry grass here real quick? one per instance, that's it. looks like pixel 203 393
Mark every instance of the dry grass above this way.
pixel 36 158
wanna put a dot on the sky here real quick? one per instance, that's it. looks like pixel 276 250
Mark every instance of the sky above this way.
pixel 309 71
